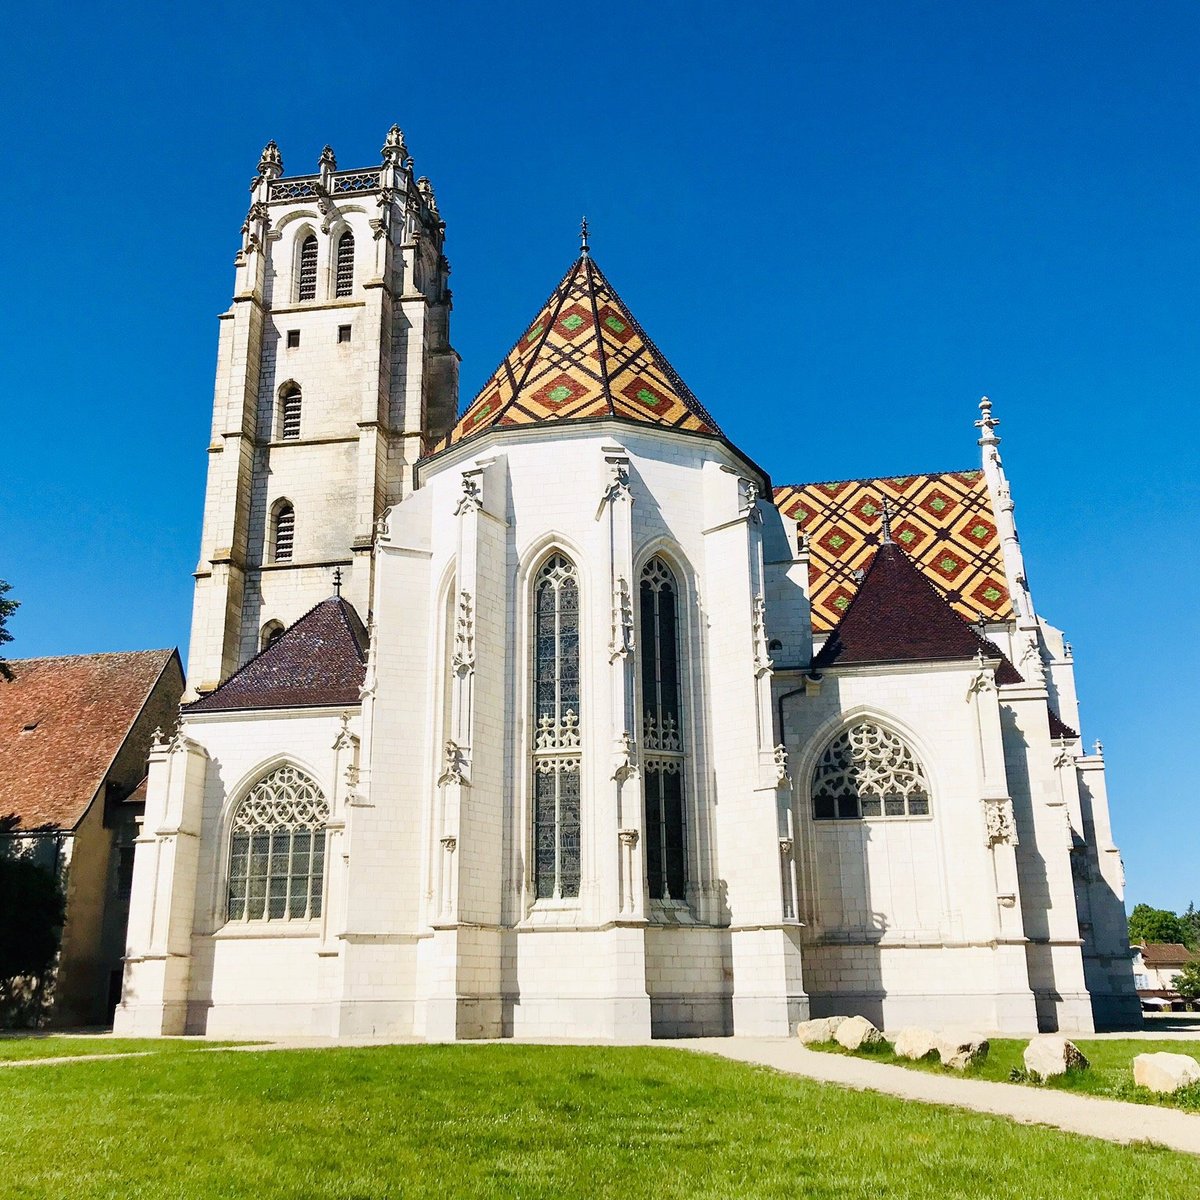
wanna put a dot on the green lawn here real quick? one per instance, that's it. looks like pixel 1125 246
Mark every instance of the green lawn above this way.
pixel 1110 1073
pixel 55 1046
pixel 535 1122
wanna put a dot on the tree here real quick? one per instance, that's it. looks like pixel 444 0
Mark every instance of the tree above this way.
pixel 1148 924
pixel 7 608
pixel 28 942
pixel 1191 921
pixel 1187 983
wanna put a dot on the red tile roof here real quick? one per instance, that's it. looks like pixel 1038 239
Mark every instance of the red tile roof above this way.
pixel 1165 954
pixel 898 616
pixel 318 661
pixel 62 721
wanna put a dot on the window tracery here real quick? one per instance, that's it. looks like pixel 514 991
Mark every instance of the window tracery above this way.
pixel 662 742
pixel 557 746
pixel 869 771
pixel 277 850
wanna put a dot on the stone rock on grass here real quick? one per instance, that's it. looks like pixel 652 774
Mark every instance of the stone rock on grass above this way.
pixel 915 1043
pixel 1051 1055
pixel 959 1053
pixel 856 1032
pixel 1165 1072
pixel 820 1029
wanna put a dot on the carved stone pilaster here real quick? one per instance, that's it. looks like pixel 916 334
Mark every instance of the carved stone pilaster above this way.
pixel 621 641
pixel 456 765
pixel 1000 822
pixel 762 656
pixel 464 636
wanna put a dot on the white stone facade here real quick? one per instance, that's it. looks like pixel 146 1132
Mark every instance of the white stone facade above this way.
pixel 999 907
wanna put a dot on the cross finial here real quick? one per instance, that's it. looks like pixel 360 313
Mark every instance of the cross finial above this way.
pixel 337 581
pixel 885 533
pixel 987 423
pixel 583 237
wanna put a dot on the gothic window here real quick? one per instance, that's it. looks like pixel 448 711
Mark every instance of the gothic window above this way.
pixel 556 747
pixel 277 850
pixel 869 771
pixel 307 289
pixel 290 403
pixel 666 864
pixel 345 264
pixel 285 532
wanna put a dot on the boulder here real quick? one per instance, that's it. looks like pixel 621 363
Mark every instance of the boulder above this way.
pixel 915 1043
pixel 1051 1055
pixel 820 1029
pixel 856 1032
pixel 959 1053
pixel 1165 1072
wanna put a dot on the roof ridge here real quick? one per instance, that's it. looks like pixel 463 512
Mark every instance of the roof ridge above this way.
pixel 875 478
pixel 601 352
pixel 90 654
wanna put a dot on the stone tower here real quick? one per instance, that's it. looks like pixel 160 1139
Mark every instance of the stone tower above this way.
pixel 334 369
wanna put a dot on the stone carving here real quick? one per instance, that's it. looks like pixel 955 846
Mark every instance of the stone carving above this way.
pixel 628 837
pixel 617 487
pixel 621 642
pixel 984 679
pixel 327 161
pixel 1032 666
pixel 270 165
pixel 1001 825
pixel 748 500
pixel 1064 758
pixel 1165 1072
pixel 661 736
pixel 625 757
pixel 426 190
pixel 456 764
pixel 1050 1055
pixel 395 152
pixel 779 758
pixel 449 842
pixel 762 657
pixel 472 494
pixel 785 847
pixel 557 735
pixel 464 636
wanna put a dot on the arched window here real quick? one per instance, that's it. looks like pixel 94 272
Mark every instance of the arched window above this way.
pixel 277 850
pixel 290 405
pixel 869 771
pixel 662 741
pixel 557 749
pixel 345 264
pixel 307 289
pixel 272 631
pixel 284 536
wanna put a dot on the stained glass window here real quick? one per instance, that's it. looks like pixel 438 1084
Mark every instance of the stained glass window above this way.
pixel 557 749
pixel 869 771
pixel 277 850
pixel 308 269
pixel 662 741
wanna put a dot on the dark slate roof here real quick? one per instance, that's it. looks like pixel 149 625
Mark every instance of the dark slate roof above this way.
pixel 62 722
pixel 1059 729
pixel 898 616
pixel 318 661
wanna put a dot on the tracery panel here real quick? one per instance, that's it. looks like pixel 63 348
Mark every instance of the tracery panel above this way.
pixel 868 770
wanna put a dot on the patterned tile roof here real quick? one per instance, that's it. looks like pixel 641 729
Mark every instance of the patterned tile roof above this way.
pixel 318 661
pixel 62 721
pixel 897 615
pixel 583 356
pixel 944 521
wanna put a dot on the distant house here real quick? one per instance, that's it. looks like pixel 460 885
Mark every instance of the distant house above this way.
pixel 75 733
pixel 1156 965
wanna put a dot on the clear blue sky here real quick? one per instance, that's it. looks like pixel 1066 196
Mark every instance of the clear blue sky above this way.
pixel 842 223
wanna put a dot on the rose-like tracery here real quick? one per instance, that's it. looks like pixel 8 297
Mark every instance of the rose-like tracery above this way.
pixel 869 771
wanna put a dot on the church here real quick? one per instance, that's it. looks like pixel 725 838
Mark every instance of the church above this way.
pixel 557 717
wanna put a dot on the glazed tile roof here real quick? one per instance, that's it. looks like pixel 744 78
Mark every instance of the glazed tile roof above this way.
pixel 318 661
pixel 62 721
pixel 583 356
pixel 944 521
pixel 897 615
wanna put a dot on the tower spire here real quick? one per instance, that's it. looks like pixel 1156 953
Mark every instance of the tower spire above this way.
pixel 583 237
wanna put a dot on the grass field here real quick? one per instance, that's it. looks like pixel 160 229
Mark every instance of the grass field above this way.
pixel 1110 1072
pixel 535 1122
pixel 13 1049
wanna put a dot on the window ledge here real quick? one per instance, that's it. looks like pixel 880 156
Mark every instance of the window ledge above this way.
pixel 552 913
pixel 233 930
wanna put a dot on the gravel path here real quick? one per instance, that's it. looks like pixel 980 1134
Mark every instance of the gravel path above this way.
pixel 1113 1120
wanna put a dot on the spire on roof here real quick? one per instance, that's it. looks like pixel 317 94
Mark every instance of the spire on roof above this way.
pixel 885 532
pixel 987 423
pixel 337 581
pixel 584 357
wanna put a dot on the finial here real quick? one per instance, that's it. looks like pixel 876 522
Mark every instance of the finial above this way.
pixel 395 152
pixel 270 164
pixel 426 190
pixel 327 160
pixel 337 581
pixel 583 237
pixel 885 532
pixel 1099 748
pixel 987 423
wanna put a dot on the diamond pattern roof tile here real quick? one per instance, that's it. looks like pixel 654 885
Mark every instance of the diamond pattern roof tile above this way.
pixel 318 661
pixel 584 356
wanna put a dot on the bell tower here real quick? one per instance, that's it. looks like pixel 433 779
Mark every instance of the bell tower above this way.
pixel 334 370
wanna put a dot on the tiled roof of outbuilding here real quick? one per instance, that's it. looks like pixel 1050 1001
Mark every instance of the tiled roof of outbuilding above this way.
pixel 898 616
pixel 944 521
pixel 62 721
pixel 1165 954
pixel 584 356
pixel 318 661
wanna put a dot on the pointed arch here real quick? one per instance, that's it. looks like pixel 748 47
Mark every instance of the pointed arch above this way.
pixel 868 769
pixel 344 279
pixel 291 405
pixel 306 266
pixel 283 530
